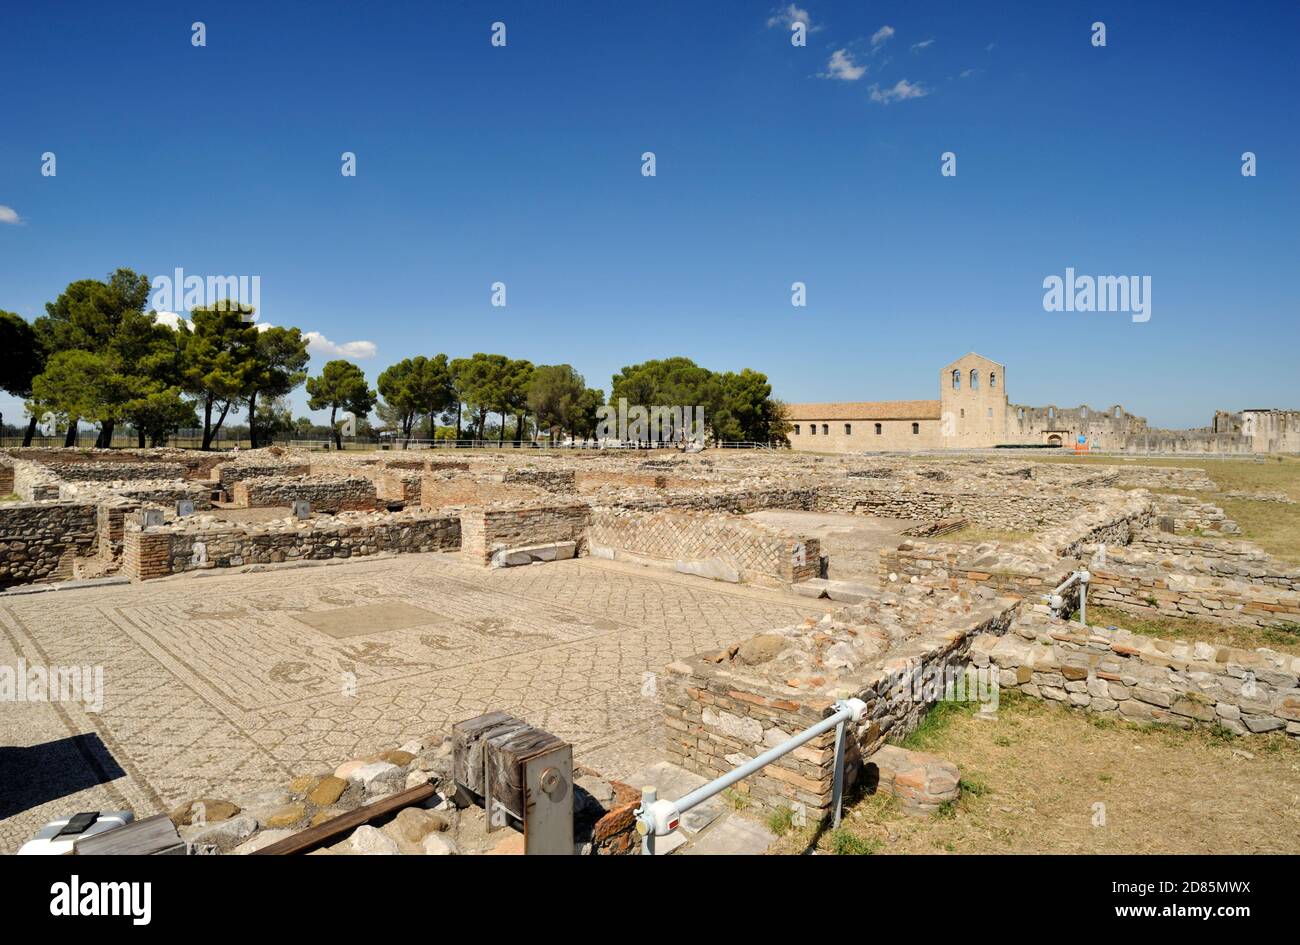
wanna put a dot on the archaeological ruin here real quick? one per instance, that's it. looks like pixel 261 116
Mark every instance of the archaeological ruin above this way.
pixel 328 617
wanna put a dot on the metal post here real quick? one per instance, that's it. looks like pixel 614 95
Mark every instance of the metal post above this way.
pixel 649 795
pixel 837 795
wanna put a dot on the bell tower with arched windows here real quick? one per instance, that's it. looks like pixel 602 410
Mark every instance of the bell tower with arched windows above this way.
pixel 973 402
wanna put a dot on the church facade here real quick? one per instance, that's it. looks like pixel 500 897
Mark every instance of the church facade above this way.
pixel 973 412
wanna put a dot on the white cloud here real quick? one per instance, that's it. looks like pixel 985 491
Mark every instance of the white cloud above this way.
pixel 357 350
pixel 902 91
pixel 788 15
pixel 881 35
pixel 9 215
pixel 842 66
pixel 170 319
pixel 924 44
pixel 968 73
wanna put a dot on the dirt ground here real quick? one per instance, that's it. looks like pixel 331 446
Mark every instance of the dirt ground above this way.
pixel 852 542
pixel 1046 779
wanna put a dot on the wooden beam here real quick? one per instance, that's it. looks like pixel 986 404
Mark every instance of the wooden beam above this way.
pixel 307 840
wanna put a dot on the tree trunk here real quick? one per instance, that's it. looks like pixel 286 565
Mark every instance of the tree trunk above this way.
pixel 207 422
pixel 459 405
pixel 139 437
pixel 338 436
pixel 252 420
pixel 105 439
pixel 519 429
pixel 31 432
pixel 501 433
pixel 71 438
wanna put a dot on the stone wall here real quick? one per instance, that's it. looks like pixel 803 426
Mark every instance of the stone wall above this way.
pixel 442 491
pixel 39 540
pixel 1144 679
pixel 1186 515
pixel 485 531
pixel 1238 561
pixel 6 475
pixel 722 709
pixel 33 482
pixel 712 545
pixel 230 473
pixel 326 494
pixel 115 471
pixel 552 480
pixel 1140 590
pixel 188 545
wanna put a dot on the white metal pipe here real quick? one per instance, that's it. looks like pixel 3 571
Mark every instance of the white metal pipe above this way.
pixel 718 785
pixel 661 817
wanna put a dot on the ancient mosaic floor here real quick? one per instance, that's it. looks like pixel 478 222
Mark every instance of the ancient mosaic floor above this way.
pixel 235 683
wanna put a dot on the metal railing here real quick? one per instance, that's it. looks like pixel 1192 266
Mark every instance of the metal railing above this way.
pixel 659 818
pixel 1056 599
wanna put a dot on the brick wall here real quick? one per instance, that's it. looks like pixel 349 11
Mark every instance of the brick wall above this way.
pixel 486 530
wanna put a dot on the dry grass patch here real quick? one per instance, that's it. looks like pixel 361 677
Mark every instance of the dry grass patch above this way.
pixel 975 534
pixel 1032 780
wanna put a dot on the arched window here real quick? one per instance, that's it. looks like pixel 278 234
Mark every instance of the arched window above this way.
pixel 879 429
pixel 1116 411
pixel 956 380
pixel 916 428
pixel 826 429
pixel 848 429
pixel 1051 413
pixel 974 379
pixel 812 429
pixel 993 379
pixel 796 429
pixel 1020 414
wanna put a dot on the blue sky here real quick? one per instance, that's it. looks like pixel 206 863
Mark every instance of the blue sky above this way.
pixel 775 164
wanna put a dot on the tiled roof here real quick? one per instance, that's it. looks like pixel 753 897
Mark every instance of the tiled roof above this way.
pixel 866 410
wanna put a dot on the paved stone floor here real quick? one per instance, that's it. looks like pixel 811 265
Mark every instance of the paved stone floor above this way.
pixel 214 685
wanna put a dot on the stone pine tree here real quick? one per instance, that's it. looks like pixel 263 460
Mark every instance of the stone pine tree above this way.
pixel 23 359
pixel 561 401
pixel 280 364
pixel 340 385
pixel 221 365
pixel 417 386
pixel 89 316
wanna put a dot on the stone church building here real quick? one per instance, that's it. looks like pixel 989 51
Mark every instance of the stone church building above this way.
pixel 973 412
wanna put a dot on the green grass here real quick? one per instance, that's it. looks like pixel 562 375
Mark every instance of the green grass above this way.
pixel 11 497
pixel 780 821
pixel 845 843
pixel 935 723
pixel 1284 638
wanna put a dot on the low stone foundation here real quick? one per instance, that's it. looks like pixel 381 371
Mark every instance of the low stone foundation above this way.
pixel 326 494
pixel 1144 679
pixel 722 709
pixel 486 531
pixel 40 540
pixel 1139 590
pixel 194 545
